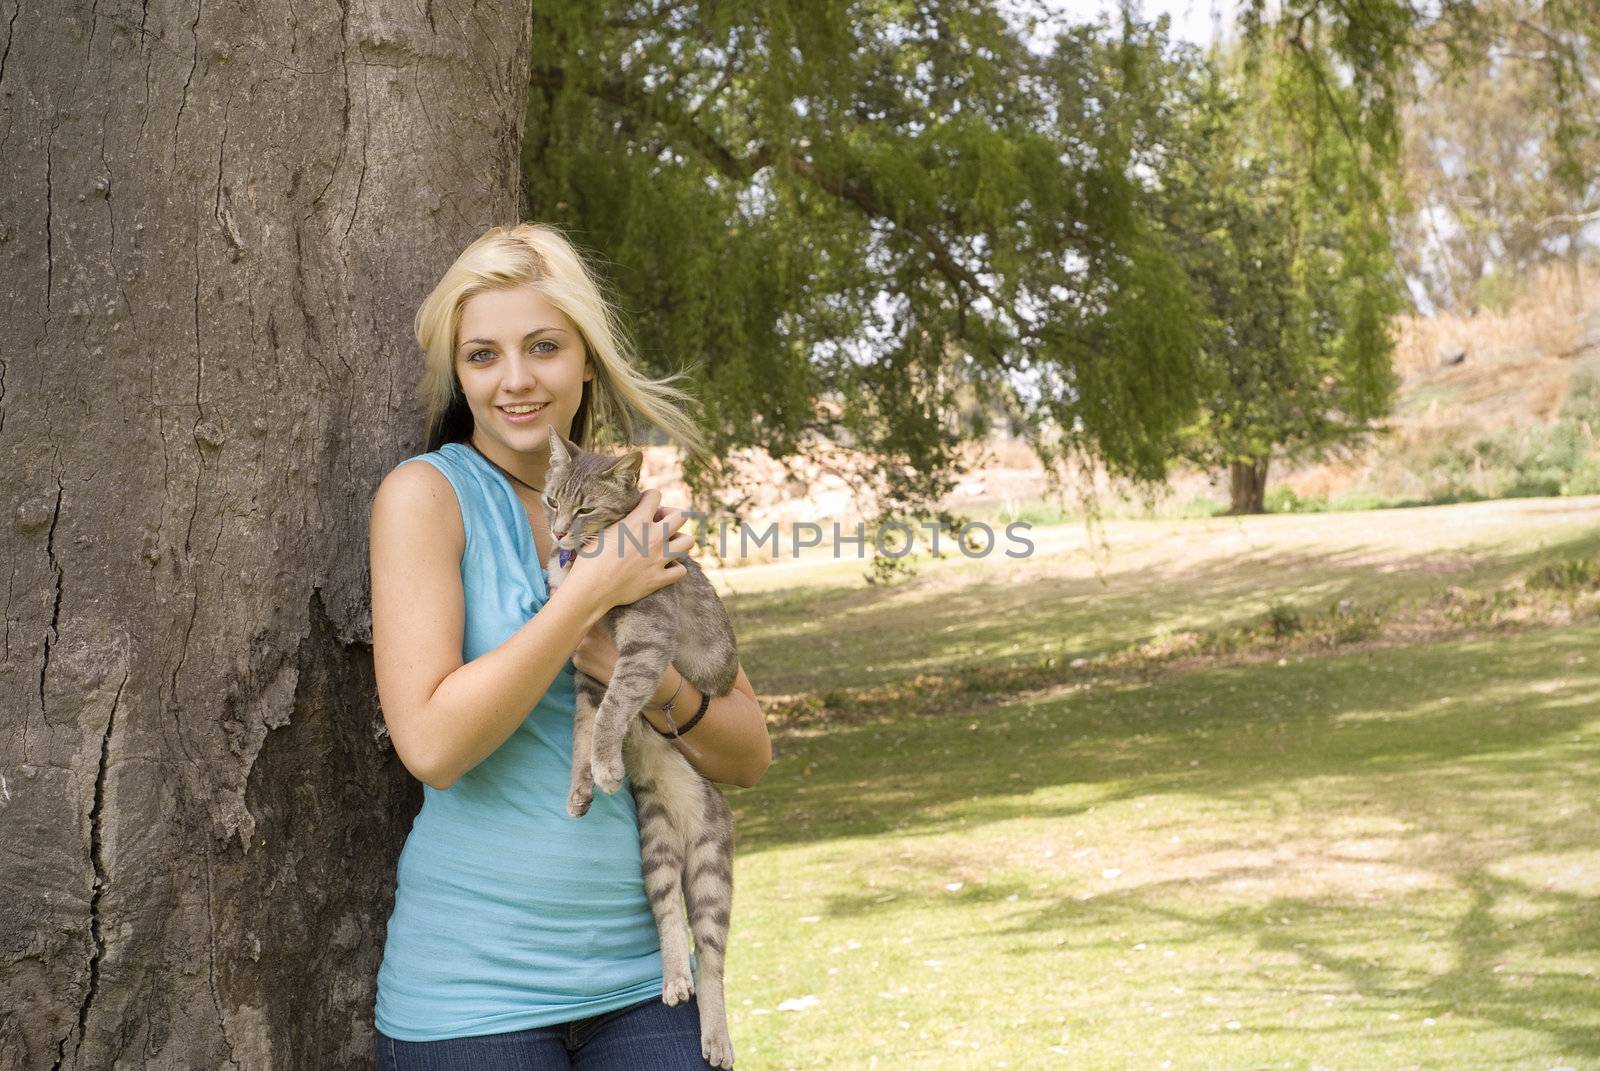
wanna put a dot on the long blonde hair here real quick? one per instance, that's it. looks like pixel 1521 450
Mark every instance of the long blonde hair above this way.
pixel 617 400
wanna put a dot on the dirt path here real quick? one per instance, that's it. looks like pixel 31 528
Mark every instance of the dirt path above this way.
pixel 1442 540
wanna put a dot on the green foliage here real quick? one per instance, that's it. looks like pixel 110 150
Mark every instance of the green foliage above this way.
pixel 1284 500
pixel 1295 273
pixel 1479 112
pixel 1562 458
pixel 1497 147
pixel 1203 506
pixel 1582 402
pixel 887 225
pixel 859 220
pixel 1496 291
pixel 1585 478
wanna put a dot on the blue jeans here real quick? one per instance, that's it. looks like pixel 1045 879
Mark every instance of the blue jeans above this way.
pixel 648 1035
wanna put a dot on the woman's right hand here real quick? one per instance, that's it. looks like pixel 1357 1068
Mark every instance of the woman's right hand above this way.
pixel 617 570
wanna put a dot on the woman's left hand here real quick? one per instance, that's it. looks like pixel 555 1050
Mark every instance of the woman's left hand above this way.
pixel 596 654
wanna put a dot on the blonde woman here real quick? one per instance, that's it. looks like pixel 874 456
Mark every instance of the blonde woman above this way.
pixel 521 937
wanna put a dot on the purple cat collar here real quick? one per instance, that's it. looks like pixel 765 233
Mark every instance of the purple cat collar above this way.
pixel 564 558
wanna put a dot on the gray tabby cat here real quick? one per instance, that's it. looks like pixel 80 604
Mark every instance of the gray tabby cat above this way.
pixel 685 827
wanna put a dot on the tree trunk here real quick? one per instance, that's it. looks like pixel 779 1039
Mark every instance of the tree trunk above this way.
pixel 216 221
pixel 1248 486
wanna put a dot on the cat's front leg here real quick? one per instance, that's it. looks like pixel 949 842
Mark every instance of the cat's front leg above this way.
pixel 645 645
pixel 590 692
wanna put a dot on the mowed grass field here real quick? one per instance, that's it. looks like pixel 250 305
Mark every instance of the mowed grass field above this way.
pixel 972 852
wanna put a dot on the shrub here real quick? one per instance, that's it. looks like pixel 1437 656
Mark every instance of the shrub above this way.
pixel 1573 574
pixel 1357 501
pixel 1585 479
pixel 1203 506
pixel 1583 396
pixel 1283 620
pixel 1284 500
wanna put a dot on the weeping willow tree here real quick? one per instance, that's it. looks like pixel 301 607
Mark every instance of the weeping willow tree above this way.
pixel 1515 180
pixel 855 220
pixel 1299 190
pixel 1288 241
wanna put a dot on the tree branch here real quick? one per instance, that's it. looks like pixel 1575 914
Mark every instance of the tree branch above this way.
pixel 629 96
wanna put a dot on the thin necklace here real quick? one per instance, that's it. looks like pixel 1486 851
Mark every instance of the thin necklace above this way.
pixel 507 473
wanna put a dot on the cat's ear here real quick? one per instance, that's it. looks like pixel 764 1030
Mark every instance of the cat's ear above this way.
pixel 561 450
pixel 626 470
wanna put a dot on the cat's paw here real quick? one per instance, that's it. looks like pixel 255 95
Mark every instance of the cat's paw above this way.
pixel 675 991
pixel 608 774
pixel 717 1047
pixel 578 801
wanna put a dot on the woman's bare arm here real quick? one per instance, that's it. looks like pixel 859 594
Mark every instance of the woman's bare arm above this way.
pixel 730 745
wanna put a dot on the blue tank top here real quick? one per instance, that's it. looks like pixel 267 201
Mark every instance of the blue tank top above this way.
pixel 508 913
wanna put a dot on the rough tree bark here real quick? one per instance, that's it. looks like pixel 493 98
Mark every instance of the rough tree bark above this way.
pixel 1248 486
pixel 216 220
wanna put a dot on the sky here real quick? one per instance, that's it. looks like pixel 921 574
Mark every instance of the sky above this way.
pixel 1192 20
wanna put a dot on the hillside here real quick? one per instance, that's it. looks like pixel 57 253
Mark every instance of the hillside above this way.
pixel 1482 387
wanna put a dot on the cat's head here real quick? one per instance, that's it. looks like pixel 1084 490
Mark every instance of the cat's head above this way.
pixel 585 492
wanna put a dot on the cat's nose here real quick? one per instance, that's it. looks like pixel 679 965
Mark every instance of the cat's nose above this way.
pixel 557 534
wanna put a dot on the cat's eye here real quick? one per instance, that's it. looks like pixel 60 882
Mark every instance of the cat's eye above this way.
pixel 549 503
pixel 584 510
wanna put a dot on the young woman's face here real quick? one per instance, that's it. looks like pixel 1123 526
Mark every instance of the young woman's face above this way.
pixel 516 350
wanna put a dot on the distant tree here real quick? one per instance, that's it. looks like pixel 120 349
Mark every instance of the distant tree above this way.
pixel 1501 172
pixel 1297 281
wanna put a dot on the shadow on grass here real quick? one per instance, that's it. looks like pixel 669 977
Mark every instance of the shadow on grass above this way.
pixel 1462 745
pixel 1459 744
pixel 1216 731
pixel 1481 981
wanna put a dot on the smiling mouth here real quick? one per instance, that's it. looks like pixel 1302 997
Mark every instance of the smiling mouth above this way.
pixel 523 410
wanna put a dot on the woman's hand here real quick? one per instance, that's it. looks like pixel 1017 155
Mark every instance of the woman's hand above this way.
pixel 619 569
pixel 597 656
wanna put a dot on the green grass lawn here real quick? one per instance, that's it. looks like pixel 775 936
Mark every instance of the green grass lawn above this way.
pixel 1384 857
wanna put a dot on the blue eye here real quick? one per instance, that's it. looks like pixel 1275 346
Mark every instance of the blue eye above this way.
pixel 473 356
pixel 546 342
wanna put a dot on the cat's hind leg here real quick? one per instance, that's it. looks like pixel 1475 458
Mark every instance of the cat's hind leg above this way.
pixel 663 857
pixel 709 895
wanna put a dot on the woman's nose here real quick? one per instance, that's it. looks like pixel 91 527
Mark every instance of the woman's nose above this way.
pixel 518 373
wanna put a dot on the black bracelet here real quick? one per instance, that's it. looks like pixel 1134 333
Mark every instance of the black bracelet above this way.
pixel 677 731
